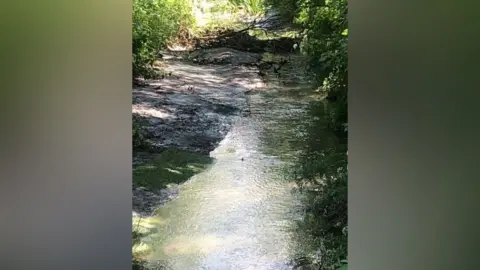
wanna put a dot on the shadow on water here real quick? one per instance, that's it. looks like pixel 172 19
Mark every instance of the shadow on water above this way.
pixel 171 166
pixel 321 171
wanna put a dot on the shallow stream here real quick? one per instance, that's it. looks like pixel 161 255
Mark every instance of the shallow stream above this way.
pixel 241 211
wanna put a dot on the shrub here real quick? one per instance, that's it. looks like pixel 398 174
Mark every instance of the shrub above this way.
pixel 325 41
pixel 154 23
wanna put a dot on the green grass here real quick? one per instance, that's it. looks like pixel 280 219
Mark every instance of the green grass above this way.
pixel 172 166
pixel 251 7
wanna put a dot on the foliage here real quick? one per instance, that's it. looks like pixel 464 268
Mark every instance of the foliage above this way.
pixel 325 41
pixel 154 23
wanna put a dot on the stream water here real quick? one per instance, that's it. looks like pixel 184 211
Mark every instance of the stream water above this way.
pixel 241 212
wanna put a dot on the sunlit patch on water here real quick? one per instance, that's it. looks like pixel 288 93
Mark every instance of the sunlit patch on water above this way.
pixel 199 245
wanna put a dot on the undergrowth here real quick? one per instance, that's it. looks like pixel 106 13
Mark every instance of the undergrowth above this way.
pixel 137 263
pixel 154 23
